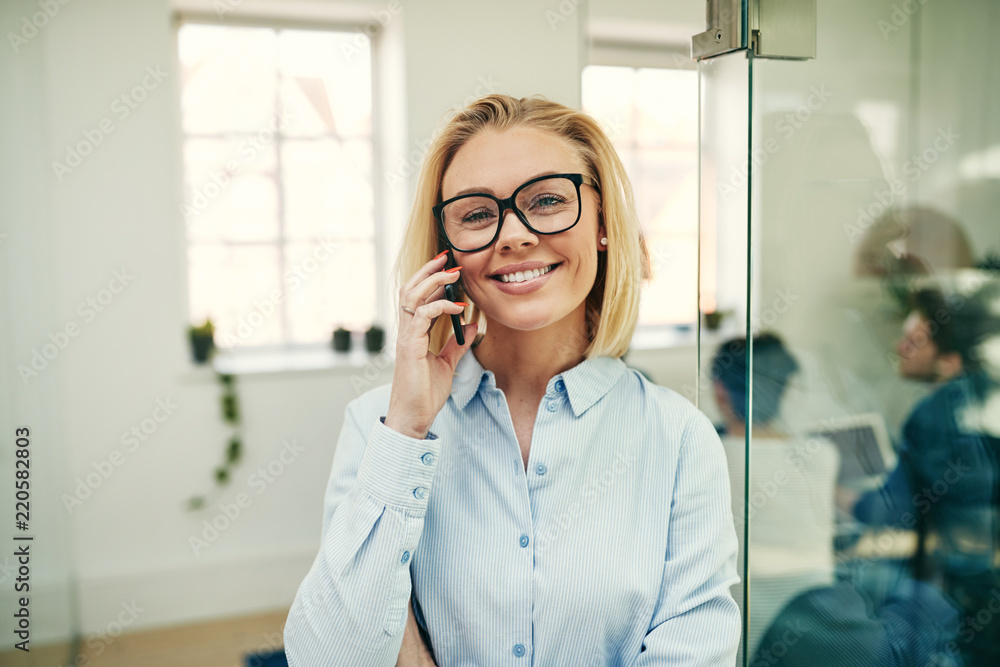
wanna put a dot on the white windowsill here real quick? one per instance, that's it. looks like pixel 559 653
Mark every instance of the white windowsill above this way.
pixel 275 362
pixel 278 361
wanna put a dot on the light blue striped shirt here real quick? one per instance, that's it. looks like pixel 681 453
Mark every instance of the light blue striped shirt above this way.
pixel 615 547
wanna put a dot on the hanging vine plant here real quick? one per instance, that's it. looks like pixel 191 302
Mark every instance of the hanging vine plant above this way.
pixel 230 409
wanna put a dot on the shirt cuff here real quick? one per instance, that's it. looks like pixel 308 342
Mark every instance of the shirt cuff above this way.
pixel 398 470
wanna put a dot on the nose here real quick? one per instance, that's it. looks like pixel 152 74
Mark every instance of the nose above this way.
pixel 513 232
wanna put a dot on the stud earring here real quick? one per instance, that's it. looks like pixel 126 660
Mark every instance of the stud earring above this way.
pixel 604 241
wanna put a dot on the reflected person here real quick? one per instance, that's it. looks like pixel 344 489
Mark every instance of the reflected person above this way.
pixel 525 495
pixel 789 505
pixel 946 484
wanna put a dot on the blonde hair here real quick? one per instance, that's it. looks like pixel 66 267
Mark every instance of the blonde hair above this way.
pixel 613 303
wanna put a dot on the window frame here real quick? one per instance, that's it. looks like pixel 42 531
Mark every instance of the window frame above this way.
pixel 287 355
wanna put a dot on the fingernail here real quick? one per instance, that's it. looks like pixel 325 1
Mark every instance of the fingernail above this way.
pixel 453 270
pixel 443 252
pixel 461 303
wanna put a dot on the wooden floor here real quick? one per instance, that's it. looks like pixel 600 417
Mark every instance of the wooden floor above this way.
pixel 216 644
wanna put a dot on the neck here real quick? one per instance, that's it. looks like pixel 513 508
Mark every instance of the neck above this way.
pixel 524 361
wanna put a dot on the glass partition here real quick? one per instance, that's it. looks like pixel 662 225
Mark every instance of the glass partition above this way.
pixel 870 299
pixel 723 258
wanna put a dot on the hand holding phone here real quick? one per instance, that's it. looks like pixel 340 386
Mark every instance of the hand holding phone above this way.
pixel 422 379
pixel 449 293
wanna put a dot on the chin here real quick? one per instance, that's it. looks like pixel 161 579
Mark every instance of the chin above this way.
pixel 525 323
pixel 537 316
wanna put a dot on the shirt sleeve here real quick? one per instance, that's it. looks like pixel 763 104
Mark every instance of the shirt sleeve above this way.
pixel 352 605
pixel 893 502
pixel 889 503
pixel 696 620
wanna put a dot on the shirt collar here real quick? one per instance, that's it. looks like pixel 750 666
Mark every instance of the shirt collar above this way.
pixel 585 384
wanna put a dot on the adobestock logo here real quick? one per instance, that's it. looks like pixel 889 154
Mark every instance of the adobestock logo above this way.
pixel 790 123
pixel 914 168
pixel 105 468
pixel 593 488
pixel 30 27
pixel 230 512
pixel 220 179
pixel 88 309
pixel 122 107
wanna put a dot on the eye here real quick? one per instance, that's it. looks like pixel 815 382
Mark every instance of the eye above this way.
pixel 547 201
pixel 477 216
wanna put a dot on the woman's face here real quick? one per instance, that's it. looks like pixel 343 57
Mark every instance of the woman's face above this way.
pixel 497 163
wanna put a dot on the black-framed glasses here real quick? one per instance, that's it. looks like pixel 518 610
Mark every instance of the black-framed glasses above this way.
pixel 546 205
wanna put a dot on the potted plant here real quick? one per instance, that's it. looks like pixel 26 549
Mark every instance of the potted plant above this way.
pixel 342 339
pixel 713 319
pixel 375 339
pixel 202 341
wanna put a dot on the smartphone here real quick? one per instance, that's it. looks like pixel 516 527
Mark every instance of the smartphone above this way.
pixel 449 293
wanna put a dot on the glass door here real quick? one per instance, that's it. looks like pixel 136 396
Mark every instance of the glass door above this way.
pixel 849 338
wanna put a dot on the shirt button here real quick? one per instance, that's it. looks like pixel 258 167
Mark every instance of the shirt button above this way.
pixel 541 469
pixel 552 406
pixel 519 650
pixel 524 540
pixel 406 557
pixel 420 493
pixel 560 386
pixel 428 459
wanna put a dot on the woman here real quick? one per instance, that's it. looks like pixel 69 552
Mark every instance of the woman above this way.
pixel 537 500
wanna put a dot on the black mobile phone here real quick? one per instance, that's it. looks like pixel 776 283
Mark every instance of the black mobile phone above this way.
pixel 449 293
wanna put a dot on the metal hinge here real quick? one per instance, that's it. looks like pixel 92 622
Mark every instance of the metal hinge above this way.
pixel 784 29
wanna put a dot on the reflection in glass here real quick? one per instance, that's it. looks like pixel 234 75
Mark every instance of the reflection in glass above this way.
pixel 870 256
pixel 788 503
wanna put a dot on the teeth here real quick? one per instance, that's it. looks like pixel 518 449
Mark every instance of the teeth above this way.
pixel 521 276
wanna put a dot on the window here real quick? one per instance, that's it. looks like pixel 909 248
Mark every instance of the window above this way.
pixel 651 116
pixel 279 195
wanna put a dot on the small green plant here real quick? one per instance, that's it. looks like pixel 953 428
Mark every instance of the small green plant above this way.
pixel 713 319
pixel 230 408
pixel 342 339
pixel 375 339
pixel 202 341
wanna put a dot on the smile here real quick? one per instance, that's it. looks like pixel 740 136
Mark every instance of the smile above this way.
pixel 523 282
pixel 523 276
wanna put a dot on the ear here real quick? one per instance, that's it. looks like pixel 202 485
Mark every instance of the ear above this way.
pixel 948 365
pixel 601 233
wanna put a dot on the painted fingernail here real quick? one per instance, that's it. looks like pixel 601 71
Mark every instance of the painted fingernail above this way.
pixel 452 270
pixel 443 253
pixel 461 303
